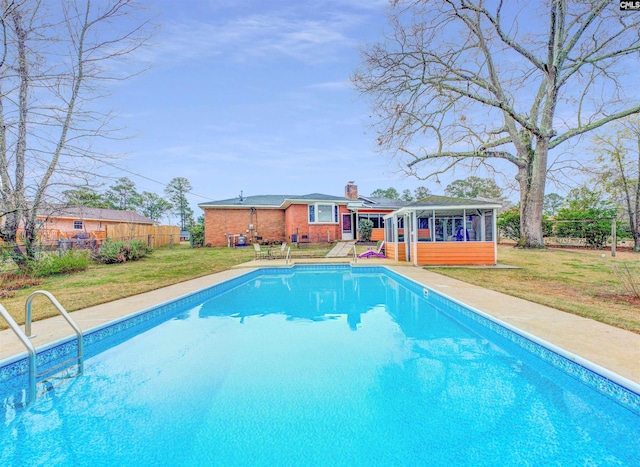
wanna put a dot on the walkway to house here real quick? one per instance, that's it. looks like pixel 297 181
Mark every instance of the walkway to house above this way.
pixel 341 250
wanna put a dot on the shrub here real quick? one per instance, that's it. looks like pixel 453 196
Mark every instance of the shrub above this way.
pixel 121 251
pixel 509 224
pixel 592 224
pixel 197 233
pixel 71 261
pixel 365 228
pixel 628 276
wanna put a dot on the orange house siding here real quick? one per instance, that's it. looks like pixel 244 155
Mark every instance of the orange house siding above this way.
pixel 456 253
pixel 447 253
pixel 377 235
pixel 390 251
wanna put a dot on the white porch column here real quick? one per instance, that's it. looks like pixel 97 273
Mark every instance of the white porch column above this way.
pixel 414 237
pixel 495 236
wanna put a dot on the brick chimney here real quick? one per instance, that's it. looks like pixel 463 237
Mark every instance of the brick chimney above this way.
pixel 351 191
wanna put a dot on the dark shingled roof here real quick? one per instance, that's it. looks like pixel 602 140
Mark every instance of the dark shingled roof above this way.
pixel 85 213
pixel 271 200
pixel 381 203
pixel 435 200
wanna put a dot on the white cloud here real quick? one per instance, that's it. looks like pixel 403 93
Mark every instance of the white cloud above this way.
pixel 286 32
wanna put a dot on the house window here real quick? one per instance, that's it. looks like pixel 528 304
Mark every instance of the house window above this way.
pixel 323 213
pixel 77 225
pixel 377 219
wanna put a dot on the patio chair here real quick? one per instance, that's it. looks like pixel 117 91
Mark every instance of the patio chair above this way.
pixel 283 250
pixel 260 254
pixel 369 253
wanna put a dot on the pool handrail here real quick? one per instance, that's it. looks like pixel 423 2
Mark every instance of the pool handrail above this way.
pixel 30 349
pixel 65 315
pixel 287 257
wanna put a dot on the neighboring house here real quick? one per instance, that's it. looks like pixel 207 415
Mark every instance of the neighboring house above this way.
pixel 84 222
pixel 434 230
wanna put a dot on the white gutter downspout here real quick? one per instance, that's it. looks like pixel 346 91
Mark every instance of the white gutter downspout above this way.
pixel 395 236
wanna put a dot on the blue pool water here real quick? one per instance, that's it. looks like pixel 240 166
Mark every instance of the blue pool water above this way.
pixel 321 366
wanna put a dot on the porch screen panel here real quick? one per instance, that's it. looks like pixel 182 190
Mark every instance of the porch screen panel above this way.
pixel 474 227
pixel 388 232
pixel 488 225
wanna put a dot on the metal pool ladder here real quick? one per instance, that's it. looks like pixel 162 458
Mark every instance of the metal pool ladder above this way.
pixel 24 338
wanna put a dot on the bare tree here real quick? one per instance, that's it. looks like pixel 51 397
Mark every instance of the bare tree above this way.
pixel 617 170
pixel 481 83
pixel 55 57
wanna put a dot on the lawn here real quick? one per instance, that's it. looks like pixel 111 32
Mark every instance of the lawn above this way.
pixel 581 282
pixel 576 281
pixel 108 282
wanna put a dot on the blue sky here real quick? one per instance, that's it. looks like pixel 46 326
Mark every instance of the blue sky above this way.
pixel 254 96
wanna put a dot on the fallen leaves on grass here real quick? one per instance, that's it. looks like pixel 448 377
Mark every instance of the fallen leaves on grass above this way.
pixel 10 282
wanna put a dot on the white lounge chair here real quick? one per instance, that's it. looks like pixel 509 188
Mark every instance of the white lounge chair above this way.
pixel 260 254
pixel 283 250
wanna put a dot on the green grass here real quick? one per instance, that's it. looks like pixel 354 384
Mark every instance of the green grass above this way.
pixel 577 281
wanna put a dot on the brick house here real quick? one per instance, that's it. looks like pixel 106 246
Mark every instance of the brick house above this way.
pixel 433 230
pixel 313 217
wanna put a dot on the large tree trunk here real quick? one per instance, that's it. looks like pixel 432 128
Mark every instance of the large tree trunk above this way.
pixel 532 180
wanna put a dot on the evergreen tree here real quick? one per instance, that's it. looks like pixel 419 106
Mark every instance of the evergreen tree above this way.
pixel 177 191
pixel 123 195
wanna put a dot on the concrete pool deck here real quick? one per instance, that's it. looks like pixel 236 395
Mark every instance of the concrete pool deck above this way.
pixel 611 348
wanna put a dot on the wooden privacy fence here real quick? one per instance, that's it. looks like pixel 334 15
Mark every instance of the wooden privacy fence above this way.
pixel 155 235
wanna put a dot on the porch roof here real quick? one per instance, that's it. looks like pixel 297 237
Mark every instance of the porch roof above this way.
pixel 369 203
pixel 441 203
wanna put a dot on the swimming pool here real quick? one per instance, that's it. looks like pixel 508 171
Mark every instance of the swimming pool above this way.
pixel 318 366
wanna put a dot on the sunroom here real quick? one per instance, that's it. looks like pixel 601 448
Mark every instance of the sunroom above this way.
pixel 439 230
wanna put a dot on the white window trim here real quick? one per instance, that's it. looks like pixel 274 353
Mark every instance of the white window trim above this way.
pixel 315 213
